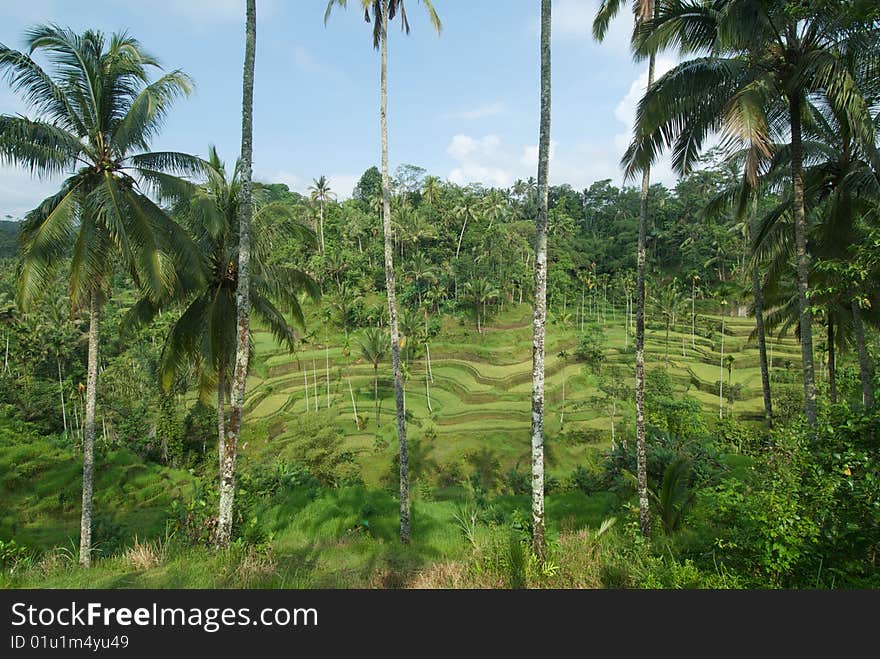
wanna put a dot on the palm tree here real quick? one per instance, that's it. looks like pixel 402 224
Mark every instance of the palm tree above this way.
pixel 320 191
pixel 431 190
pixel 374 346
pixel 669 303
pixel 98 112
pixel 229 449
pixel 479 293
pixel 563 356
pixel 203 337
pixel 466 210
pixel 380 12
pixel 420 272
pixel 762 62
pixel 643 11
pixel 540 314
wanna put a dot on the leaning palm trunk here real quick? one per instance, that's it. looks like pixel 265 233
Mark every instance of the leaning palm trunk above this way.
pixel 321 225
pixel 865 371
pixel 762 344
pixel 389 285
pixel 242 345
pixel 803 261
pixel 540 313
pixel 85 528
pixel 832 361
pixel 61 389
pixel 721 376
pixel 641 450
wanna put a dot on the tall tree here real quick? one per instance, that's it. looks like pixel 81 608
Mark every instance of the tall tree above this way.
pixel 320 191
pixel 540 311
pixel 97 111
pixel 379 13
pixel 373 349
pixel 204 336
pixel 643 10
pixel 756 65
pixel 229 449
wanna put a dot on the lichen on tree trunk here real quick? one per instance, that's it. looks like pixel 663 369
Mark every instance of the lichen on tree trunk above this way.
pixel 540 310
pixel 242 346
pixel 85 528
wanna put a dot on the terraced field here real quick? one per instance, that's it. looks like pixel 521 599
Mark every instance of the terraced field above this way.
pixel 480 387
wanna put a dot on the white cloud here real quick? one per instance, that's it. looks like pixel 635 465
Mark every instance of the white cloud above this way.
pixel 290 179
pixel 478 112
pixel 481 160
pixel 625 113
pixel 343 184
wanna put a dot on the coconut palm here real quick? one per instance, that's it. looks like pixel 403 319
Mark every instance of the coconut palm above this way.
pixel 540 314
pixel 467 209
pixel 670 302
pixel 420 272
pixel 374 347
pixel 380 13
pixel 759 62
pixel 643 10
pixel 229 448
pixel 478 294
pixel 320 191
pixel 97 113
pixel 203 337
pixel 431 190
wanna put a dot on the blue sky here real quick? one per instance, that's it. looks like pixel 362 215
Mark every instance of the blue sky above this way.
pixel 464 105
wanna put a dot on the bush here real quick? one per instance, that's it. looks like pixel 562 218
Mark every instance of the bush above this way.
pixel 591 349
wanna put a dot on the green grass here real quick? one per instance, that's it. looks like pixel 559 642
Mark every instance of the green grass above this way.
pixel 348 537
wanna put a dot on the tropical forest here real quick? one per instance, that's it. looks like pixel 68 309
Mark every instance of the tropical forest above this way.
pixel 215 379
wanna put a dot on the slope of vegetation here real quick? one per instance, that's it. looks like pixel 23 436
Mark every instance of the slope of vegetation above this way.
pixel 368 372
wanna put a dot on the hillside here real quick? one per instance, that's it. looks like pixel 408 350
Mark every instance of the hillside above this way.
pixel 480 393
pixel 8 239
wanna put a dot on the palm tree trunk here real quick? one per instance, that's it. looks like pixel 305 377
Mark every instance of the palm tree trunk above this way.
pixel 428 389
pixel 540 313
pixel 460 236
pixel 832 360
pixel 721 377
pixel 667 344
pixel 242 346
pixel 221 412
pixel 315 383
pixel 376 394
pixel 865 371
pixel 61 390
pixel 803 261
pixel 562 411
pixel 321 225
pixel 428 354
pixel 85 528
pixel 306 387
pixel 354 407
pixel 641 451
pixel 762 344
pixel 389 284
